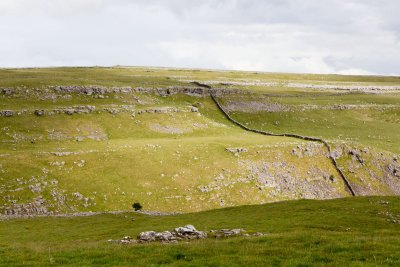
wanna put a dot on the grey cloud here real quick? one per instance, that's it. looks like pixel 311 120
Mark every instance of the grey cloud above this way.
pixel 288 35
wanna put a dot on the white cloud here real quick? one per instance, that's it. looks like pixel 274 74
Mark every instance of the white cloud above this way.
pixel 354 72
pixel 332 36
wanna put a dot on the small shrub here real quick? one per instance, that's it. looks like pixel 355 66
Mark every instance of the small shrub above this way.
pixel 136 206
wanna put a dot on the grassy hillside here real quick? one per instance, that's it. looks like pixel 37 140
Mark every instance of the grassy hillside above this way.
pixel 170 162
pixel 368 119
pixel 342 232
pixel 68 151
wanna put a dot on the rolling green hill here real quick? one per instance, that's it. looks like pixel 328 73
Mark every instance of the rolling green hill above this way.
pixel 99 139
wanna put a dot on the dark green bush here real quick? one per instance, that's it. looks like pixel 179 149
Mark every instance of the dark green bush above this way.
pixel 136 206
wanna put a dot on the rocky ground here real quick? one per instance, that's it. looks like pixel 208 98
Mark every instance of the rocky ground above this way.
pixel 182 233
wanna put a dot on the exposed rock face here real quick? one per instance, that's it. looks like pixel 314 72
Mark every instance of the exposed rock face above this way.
pixel 254 106
pixel 171 90
pixel 99 91
pixel 279 179
pixel 342 107
pixel 112 109
pixel 365 88
pixel 371 172
pixel 91 89
pixel 66 110
pixel 394 169
pixel 310 150
pixel 34 208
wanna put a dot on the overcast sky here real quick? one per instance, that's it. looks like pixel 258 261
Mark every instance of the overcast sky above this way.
pixel 317 36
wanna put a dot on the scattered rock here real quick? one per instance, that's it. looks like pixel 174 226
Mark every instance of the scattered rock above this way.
pixel 69 111
pixel 166 129
pixel 227 232
pixel 151 236
pixel 34 208
pixel 258 234
pixel 183 233
pixel 39 112
pixel 147 236
pixel 87 90
pixel 353 152
pixel 7 113
pixel 298 152
pixel 356 156
pixel 337 153
pixel 77 195
pixel 127 239
pixel 7 91
pixel 165 236
pixel 383 202
pixel 189 232
pixel 236 150
pixel 156 213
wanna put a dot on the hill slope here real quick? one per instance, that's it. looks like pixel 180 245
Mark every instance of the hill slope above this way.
pixel 99 139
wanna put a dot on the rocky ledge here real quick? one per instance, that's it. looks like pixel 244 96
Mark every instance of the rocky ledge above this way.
pixel 183 233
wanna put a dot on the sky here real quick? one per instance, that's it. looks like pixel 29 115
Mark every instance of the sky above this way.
pixel 304 36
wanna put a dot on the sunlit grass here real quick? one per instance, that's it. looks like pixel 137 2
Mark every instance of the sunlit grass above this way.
pixel 344 232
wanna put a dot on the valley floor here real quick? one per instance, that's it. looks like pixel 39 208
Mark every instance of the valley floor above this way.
pixel 81 140
pixel 360 231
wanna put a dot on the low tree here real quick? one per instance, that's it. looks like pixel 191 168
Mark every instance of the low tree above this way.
pixel 136 206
